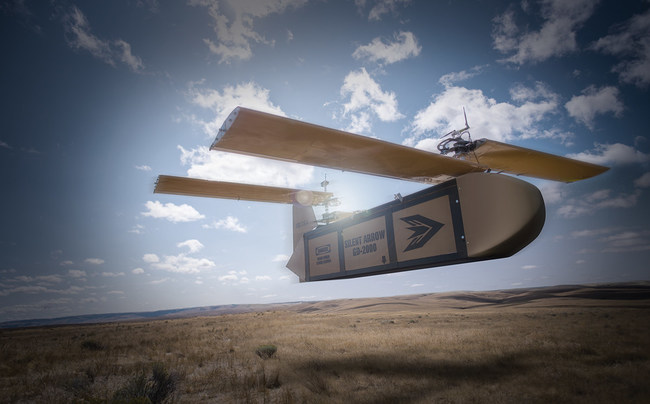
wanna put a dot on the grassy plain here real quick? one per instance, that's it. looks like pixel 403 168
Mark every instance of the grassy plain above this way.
pixel 549 345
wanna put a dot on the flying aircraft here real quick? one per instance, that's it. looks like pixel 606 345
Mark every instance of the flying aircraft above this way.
pixel 475 210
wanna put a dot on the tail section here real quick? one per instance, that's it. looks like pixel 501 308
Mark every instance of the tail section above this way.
pixel 304 220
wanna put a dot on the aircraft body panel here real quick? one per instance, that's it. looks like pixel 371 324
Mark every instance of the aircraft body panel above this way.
pixel 474 217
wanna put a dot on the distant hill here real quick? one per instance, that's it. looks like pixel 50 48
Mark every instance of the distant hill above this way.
pixel 595 294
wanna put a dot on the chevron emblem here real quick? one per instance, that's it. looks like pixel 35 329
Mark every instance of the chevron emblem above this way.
pixel 423 230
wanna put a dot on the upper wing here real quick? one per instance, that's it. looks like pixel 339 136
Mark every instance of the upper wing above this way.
pixel 260 134
pixel 265 135
pixel 521 161
pixel 167 184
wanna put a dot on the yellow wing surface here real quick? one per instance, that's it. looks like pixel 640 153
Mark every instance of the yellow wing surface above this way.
pixel 531 163
pixel 264 135
pixel 167 184
pixel 260 134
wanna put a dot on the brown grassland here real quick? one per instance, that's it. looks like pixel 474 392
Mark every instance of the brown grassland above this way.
pixel 588 344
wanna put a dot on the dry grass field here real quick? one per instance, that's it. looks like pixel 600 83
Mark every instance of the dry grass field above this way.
pixel 572 344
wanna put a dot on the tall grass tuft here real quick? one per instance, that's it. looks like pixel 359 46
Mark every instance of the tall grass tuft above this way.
pixel 142 389
pixel 266 351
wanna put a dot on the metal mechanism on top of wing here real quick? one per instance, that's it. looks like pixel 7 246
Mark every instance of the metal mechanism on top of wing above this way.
pixel 472 215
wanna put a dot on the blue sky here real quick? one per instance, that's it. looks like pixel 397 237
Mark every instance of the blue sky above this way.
pixel 98 98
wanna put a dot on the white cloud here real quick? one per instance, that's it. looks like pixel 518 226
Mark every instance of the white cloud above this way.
pixel 41 280
pixel 596 201
pixel 171 212
pixel 632 44
pixel 380 7
pixel 137 271
pixel 221 103
pixel 403 47
pixel 367 96
pixel 94 261
pixel 79 36
pixel 137 229
pixel 159 281
pixel 150 258
pixel 555 37
pixel 112 274
pixel 617 240
pixel 643 181
pixel 487 118
pixel 193 245
pixel 229 223
pixel 263 278
pixel 5 145
pixel 612 154
pixel 234 278
pixel 75 273
pixel 527 267
pixel 593 101
pixel 183 264
pixel 235 31
pixel 449 79
pixel 552 191
pixel 221 166
pixel 66 263
pixel 143 167
pixel 280 258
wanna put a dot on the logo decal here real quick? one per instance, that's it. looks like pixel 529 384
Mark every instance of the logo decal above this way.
pixel 423 229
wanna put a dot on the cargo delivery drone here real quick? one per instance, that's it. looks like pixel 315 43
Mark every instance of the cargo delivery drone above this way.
pixel 474 212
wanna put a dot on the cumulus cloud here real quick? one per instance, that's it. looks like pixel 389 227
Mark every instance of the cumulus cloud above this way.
pixel 150 258
pixel 379 7
pixel 143 167
pixel 281 258
pixel 596 201
pixel 612 154
pixel 80 36
pixel 75 273
pixel 94 261
pixel 183 264
pixel 594 101
pixel 366 97
pixel 643 181
pixel 234 278
pixel 631 43
pixel 221 103
pixel 616 240
pixel 137 271
pixel 173 213
pixel 404 46
pixel 229 223
pixel 193 245
pixel 234 22
pixel 449 79
pixel 221 166
pixel 555 37
pixel 112 274
pixel 487 117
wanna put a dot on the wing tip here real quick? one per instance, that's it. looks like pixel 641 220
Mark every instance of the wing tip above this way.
pixel 227 123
